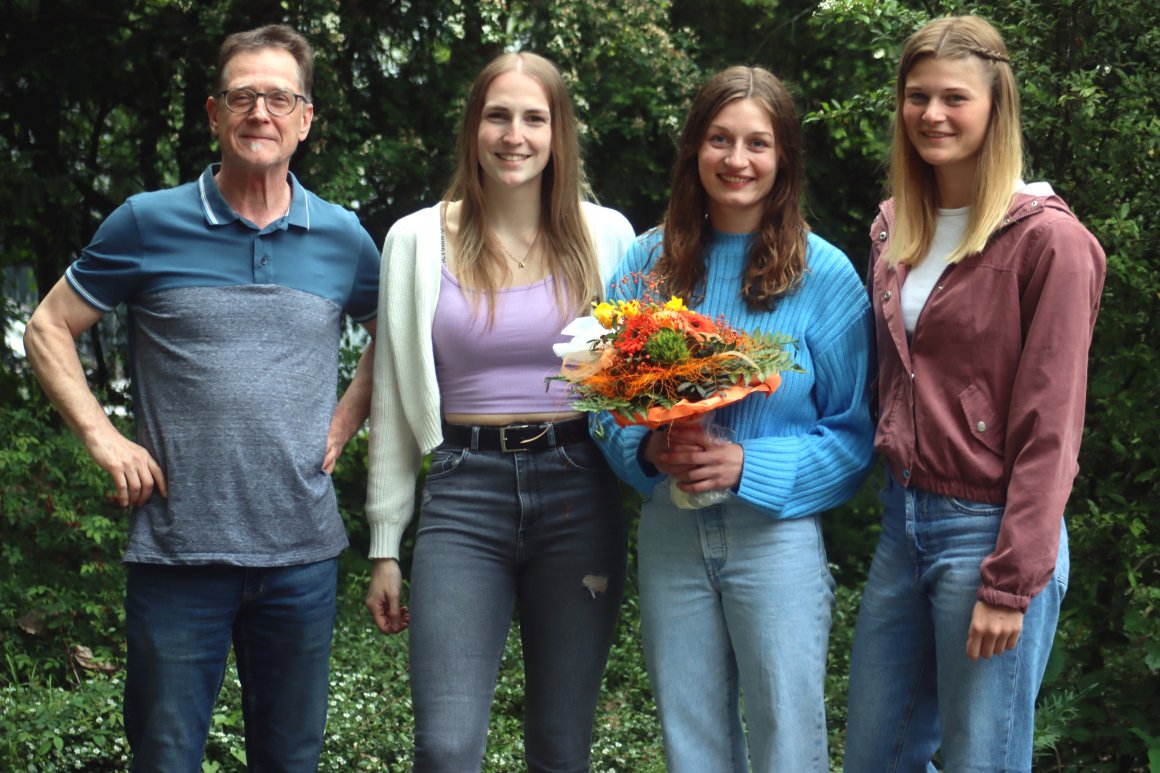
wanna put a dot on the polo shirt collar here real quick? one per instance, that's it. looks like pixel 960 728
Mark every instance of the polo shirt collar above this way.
pixel 218 212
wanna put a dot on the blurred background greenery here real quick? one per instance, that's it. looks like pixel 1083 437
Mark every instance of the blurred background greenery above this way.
pixel 99 101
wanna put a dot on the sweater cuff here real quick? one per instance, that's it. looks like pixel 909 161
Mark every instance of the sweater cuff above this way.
pixel 639 474
pixel 998 598
pixel 769 473
pixel 385 539
pixel 647 467
pixel 621 446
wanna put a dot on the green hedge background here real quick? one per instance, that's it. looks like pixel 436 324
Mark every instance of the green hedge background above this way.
pixel 98 101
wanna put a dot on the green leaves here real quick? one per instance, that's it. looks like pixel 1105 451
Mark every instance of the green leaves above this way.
pixel 56 528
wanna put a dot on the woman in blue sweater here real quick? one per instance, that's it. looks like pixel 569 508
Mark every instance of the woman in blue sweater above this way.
pixel 736 597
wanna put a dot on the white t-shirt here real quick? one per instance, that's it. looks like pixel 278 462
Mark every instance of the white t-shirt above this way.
pixel 922 279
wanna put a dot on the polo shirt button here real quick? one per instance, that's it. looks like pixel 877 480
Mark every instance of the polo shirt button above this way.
pixel 981 426
pixel 906 474
pixel 264 260
pixel 886 295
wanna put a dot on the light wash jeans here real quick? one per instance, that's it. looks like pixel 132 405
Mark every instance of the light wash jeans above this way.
pixel 539 531
pixel 735 604
pixel 180 622
pixel 912 688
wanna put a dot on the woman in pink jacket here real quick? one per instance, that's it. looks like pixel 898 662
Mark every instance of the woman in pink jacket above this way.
pixel 985 290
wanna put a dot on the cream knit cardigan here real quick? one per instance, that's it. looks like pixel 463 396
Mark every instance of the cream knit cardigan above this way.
pixel 405 415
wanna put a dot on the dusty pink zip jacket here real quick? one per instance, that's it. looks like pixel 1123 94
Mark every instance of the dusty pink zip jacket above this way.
pixel 987 401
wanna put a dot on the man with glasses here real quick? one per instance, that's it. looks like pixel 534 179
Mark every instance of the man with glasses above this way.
pixel 235 286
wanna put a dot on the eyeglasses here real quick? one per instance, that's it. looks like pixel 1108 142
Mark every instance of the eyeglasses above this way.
pixel 278 102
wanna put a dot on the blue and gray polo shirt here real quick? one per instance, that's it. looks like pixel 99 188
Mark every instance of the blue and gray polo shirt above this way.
pixel 233 344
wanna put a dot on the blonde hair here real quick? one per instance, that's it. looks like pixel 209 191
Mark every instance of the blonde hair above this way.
pixel 777 257
pixel 564 236
pixel 1000 163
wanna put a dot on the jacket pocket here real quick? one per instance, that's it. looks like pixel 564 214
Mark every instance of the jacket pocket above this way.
pixel 983 421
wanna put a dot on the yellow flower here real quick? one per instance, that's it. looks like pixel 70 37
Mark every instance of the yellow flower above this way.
pixel 628 309
pixel 675 304
pixel 605 314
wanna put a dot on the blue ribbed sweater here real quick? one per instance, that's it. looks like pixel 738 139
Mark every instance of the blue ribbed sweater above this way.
pixel 809 445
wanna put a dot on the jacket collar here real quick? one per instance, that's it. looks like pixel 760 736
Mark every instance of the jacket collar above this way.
pixel 1024 203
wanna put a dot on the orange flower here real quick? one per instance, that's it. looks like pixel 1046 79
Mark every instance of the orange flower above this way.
pixel 660 362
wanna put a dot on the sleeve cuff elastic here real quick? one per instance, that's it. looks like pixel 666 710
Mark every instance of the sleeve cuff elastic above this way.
pixel 385 539
pixel 999 598
pixel 647 467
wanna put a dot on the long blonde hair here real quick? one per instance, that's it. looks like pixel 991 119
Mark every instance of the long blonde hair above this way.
pixel 564 236
pixel 777 257
pixel 912 180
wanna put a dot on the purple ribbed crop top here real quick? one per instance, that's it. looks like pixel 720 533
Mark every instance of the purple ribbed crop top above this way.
pixel 500 369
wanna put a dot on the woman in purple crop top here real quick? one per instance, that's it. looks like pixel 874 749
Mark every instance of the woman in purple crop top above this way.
pixel 519 510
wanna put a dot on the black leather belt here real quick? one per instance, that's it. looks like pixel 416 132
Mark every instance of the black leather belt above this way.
pixel 516 437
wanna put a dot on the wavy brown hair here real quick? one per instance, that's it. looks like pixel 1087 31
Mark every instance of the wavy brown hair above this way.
pixel 912 180
pixel 567 243
pixel 777 257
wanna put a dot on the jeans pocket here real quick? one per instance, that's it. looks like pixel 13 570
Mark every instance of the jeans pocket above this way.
pixel 970 507
pixel 444 461
pixel 582 456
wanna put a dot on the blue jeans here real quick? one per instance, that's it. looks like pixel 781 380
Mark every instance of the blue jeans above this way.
pixel 912 688
pixel 541 532
pixel 735 604
pixel 180 622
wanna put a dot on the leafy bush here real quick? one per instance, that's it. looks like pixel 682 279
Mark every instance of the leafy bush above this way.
pixel 47 728
pixel 60 546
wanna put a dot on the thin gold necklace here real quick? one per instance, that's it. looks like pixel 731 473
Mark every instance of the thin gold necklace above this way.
pixel 518 262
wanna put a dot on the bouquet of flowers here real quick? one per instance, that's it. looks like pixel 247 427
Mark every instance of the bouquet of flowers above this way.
pixel 653 363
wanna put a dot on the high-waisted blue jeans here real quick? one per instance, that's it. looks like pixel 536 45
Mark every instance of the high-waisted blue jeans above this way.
pixel 735 606
pixel 541 532
pixel 913 690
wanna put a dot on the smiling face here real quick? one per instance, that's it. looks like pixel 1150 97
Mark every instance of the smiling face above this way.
pixel 515 131
pixel 737 164
pixel 257 141
pixel 946 112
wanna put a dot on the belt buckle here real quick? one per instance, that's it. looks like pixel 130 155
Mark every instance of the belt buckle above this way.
pixel 503 439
